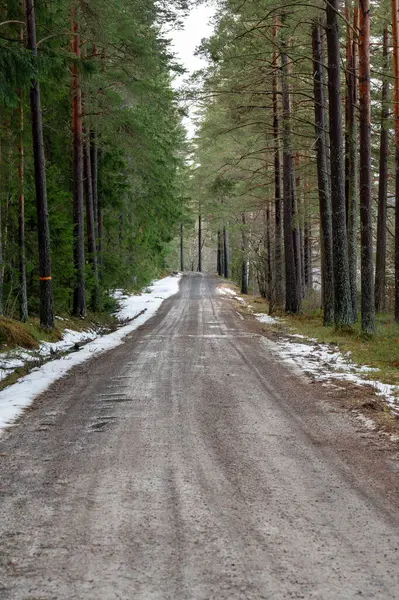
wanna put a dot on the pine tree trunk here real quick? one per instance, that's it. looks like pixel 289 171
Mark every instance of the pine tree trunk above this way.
pixel 380 266
pixel 292 297
pixel 368 300
pixel 299 226
pixel 244 264
pixel 342 287
pixel 308 246
pixel 1 241
pixel 278 249
pixel 46 290
pixel 182 247
pixel 90 227
pixel 269 269
pixel 79 296
pixel 327 264
pixel 23 298
pixel 220 255
pixel 352 158
pixel 100 218
pixel 200 243
pixel 395 40
pixel 226 253
pixel 94 177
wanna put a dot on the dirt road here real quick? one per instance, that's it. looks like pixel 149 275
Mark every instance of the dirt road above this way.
pixel 188 464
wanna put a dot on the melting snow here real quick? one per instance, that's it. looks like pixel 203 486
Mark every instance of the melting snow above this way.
pixel 18 396
pixel 264 318
pixel 327 363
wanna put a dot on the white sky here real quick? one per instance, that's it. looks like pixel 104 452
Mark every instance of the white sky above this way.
pixel 184 44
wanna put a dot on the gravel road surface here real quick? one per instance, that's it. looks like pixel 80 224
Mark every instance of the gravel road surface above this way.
pixel 189 464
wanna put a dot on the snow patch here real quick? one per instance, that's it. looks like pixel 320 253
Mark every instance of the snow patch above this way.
pixel 19 395
pixel 369 423
pixel 264 318
pixel 225 291
pixel 326 363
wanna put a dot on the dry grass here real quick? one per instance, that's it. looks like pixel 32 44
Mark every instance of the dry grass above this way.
pixel 14 333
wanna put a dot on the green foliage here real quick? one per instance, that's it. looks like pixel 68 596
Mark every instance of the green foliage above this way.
pixel 125 70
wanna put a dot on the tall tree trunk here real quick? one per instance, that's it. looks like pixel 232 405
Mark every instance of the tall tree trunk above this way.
pixel 226 253
pixel 90 225
pixel 1 238
pixel 352 153
pixel 299 241
pixel 292 296
pixel 395 40
pixel 94 177
pixel 308 245
pixel 380 266
pixel 269 269
pixel 278 239
pixel 342 288
pixel 327 264
pixel 200 242
pixel 46 289
pixel 368 301
pixel 244 263
pixel 220 254
pixel 182 247
pixel 79 296
pixel 23 297
pixel 100 217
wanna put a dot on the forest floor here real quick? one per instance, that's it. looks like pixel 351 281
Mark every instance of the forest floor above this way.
pixel 368 368
pixel 192 463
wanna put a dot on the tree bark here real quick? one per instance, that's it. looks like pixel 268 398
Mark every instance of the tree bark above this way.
pixel 327 264
pixel 308 245
pixel 244 264
pixel 278 288
pixel 269 269
pixel 342 287
pixel 226 253
pixel 94 177
pixel 220 255
pixel 292 296
pixel 79 296
pixel 395 40
pixel 367 267
pixel 1 241
pixel 182 247
pixel 46 290
pixel 23 297
pixel 90 227
pixel 100 217
pixel 200 242
pixel 298 220
pixel 351 147
pixel 380 266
